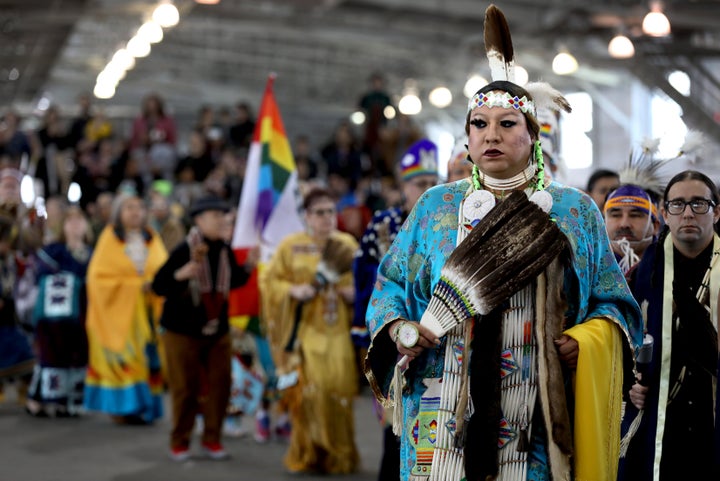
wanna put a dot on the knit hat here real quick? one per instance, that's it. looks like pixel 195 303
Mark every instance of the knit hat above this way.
pixel 420 159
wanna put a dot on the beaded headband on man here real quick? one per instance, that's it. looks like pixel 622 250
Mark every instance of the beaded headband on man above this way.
pixel 502 99
pixel 631 196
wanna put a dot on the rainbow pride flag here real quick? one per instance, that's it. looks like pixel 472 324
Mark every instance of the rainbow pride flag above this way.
pixel 269 207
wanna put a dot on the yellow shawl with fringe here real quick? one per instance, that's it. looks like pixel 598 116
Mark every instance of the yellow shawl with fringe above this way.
pixel 115 288
pixel 598 399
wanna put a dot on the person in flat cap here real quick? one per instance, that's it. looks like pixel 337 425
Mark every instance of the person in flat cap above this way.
pixel 418 171
pixel 196 281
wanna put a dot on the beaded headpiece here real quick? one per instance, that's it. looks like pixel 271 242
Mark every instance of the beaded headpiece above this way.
pixel 502 99
pixel 500 55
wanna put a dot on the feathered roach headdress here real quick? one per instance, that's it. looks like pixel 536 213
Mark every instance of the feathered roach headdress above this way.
pixel 643 168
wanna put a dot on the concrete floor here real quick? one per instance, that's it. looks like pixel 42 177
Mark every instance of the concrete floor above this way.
pixel 91 448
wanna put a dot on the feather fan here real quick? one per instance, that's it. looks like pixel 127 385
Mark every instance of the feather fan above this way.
pixel 501 255
pixel 336 259
pixel 498 45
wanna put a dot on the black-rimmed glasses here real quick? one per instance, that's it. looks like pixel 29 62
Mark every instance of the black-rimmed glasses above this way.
pixel 698 206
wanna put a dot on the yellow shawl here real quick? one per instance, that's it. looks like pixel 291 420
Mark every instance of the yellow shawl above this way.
pixel 598 399
pixel 114 288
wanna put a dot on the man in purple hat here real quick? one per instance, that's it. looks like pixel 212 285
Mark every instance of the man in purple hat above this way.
pixel 632 223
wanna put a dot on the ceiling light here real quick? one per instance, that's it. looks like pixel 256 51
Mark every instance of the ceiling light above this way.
pixel 564 64
pixel 473 84
pixel 207 2
pixel 680 82
pixel 166 14
pixel 104 91
pixel 389 112
pixel 123 59
pixel 112 71
pixel 115 68
pixel 108 77
pixel 521 75
pixel 621 47
pixel 655 23
pixel 410 104
pixel 151 32
pixel 440 97
pixel 138 48
pixel 357 118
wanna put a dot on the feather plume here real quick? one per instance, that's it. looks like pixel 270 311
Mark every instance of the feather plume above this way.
pixel 695 142
pixel 500 256
pixel 498 45
pixel 643 168
pixel 546 97
pixel 650 146
pixel 644 171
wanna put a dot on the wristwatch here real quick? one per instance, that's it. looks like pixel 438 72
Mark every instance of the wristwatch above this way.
pixel 407 334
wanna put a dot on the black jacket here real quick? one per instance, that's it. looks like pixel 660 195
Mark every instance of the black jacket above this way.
pixel 180 315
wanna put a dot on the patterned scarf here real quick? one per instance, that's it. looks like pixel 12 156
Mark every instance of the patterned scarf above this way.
pixel 201 288
pixel 222 281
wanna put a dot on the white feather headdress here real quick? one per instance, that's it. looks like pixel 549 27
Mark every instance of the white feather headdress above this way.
pixel 643 167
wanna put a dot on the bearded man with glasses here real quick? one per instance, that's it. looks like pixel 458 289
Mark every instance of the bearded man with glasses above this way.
pixel 676 284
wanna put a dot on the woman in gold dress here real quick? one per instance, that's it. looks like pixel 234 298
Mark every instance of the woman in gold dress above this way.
pixel 308 309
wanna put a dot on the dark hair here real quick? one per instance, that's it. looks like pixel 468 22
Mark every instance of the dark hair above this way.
pixel 516 91
pixel 315 194
pixel 600 174
pixel 158 102
pixel 693 175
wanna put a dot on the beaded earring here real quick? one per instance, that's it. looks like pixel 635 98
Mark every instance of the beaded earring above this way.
pixel 538 154
pixel 476 177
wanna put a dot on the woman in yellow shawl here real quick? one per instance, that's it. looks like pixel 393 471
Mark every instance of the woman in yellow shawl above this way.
pixel 309 318
pixel 123 377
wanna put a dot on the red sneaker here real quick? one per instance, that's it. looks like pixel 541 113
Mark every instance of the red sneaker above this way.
pixel 214 451
pixel 179 453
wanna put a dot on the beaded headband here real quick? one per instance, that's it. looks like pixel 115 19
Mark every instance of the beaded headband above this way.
pixel 502 99
pixel 639 202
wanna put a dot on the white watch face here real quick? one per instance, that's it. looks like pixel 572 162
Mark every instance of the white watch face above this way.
pixel 408 335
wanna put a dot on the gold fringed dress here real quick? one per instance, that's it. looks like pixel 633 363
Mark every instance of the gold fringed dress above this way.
pixel 321 401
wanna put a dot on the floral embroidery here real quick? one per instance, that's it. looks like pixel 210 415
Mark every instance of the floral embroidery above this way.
pixel 412 266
